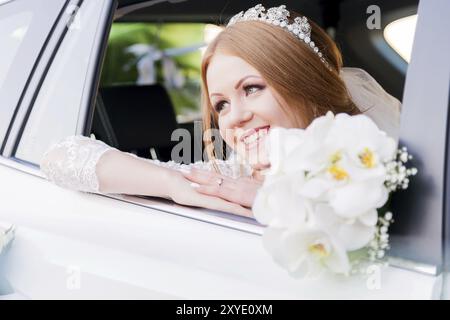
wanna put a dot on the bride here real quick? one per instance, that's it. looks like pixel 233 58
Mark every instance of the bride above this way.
pixel 267 68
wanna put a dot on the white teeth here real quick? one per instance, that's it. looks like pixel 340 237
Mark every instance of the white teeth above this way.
pixel 251 138
pixel 255 136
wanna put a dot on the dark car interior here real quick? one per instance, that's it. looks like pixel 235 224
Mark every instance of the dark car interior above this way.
pixel 137 127
pixel 141 119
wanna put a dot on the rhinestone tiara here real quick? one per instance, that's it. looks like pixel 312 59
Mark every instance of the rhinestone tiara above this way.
pixel 278 16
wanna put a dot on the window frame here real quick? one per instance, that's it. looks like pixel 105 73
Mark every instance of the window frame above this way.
pixel 420 238
pixel 36 78
pixel 43 65
pixel 92 50
pixel 41 56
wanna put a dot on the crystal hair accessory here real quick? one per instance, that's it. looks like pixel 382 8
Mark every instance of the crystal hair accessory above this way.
pixel 278 16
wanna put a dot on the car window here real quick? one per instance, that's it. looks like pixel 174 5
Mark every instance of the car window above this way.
pixel 13 30
pixel 165 53
pixel 55 112
pixel 24 27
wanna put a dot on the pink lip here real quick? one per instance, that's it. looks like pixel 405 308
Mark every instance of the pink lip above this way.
pixel 251 131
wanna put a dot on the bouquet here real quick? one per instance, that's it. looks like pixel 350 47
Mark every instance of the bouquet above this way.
pixel 322 196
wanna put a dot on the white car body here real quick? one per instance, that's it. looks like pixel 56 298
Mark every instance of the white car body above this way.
pixel 77 245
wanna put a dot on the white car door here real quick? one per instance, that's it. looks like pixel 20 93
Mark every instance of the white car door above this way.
pixel 78 245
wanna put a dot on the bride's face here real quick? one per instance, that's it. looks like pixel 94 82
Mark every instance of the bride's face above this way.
pixel 246 106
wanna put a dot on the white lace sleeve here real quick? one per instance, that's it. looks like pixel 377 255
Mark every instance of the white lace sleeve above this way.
pixel 72 164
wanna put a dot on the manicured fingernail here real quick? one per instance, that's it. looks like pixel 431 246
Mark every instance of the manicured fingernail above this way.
pixel 194 185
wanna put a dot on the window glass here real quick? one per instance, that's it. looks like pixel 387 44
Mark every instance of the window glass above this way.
pixel 24 26
pixel 55 112
pixel 12 32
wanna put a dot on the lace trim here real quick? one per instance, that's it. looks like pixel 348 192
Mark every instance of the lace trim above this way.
pixel 72 162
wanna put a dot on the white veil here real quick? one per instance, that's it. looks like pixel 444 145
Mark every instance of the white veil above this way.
pixel 373 100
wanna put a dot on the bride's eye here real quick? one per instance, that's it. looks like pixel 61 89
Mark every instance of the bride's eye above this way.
pixel 252 88
pixel 219 105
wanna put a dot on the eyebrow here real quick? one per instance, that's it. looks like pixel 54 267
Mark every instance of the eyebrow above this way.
pixel 238 83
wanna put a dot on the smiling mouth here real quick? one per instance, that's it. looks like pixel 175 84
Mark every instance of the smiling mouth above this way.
pixel 251 138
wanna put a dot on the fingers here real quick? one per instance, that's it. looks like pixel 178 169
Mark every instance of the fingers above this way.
pixel 203 177
pixel 244 212
pixel 186 195
pixel 261 166
pixel 214 203
pixel 227 193
pixel 233 208
pixel 217 191
pixel 241 191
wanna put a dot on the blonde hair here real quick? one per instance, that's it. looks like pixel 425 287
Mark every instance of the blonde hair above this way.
pixel 304 85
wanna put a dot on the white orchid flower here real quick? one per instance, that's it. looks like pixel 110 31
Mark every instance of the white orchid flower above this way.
pixel 353 234
pixel 343 157
pixel 277 204
pixel 306 252
pixel 359 132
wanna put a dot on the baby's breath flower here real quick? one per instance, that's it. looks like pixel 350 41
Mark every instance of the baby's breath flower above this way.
pixel 397 175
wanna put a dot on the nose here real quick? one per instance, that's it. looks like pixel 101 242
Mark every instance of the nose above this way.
pixel 239 116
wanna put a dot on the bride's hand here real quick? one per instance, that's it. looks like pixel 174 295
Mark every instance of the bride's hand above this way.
pixel 241 191
pixel 182 192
